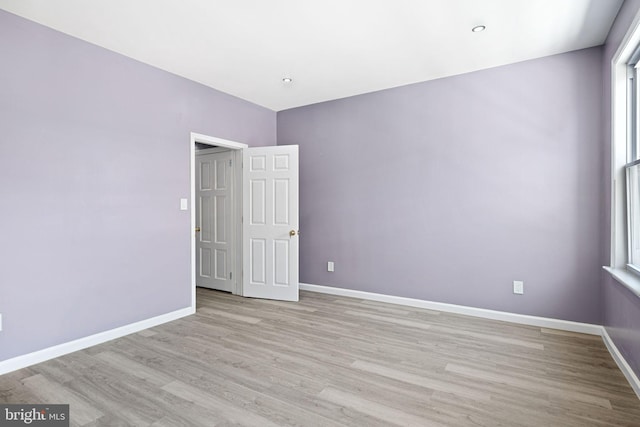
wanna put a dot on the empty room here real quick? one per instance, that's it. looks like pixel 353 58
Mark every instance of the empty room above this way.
pixel 319 213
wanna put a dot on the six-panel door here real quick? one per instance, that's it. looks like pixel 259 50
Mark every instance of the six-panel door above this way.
pixel 270 222
pixel 214 240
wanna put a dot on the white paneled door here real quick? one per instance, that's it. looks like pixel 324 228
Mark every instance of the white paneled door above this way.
pixel 270 222
pixel 214 231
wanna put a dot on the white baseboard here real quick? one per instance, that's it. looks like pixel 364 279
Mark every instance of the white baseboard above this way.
pixel 543 322
pixel 39 356
pixel 621 362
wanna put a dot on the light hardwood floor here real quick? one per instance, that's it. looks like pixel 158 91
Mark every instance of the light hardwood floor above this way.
pixel 333 361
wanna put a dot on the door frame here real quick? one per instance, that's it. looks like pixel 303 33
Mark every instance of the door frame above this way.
pixel 237 148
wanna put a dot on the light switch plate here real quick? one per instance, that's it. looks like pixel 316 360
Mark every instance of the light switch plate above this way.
pixel 184 204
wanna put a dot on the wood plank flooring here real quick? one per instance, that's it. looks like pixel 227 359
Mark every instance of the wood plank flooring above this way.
pixel 333 361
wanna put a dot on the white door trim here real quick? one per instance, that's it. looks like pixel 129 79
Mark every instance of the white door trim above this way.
pixel 219 142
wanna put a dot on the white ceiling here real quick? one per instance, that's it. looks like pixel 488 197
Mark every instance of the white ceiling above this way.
pixel 331 48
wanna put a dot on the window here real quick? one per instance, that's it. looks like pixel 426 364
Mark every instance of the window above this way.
pixel 632 167
pixel 633 215
pixel 625 161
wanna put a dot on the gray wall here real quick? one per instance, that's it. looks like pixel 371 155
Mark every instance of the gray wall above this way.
pixel 94 156
pixel 449 190
pixel 621 308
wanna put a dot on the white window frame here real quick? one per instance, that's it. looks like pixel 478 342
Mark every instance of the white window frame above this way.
pixel 632 171
pixel 620 133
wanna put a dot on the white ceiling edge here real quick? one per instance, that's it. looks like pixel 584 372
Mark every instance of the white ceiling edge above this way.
pixel 332 49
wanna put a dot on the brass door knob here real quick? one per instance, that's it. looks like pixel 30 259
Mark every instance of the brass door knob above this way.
pixel 292 233
pixel 197 229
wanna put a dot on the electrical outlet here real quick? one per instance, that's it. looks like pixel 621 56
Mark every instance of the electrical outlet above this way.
pixel 330 266
pixel 518 287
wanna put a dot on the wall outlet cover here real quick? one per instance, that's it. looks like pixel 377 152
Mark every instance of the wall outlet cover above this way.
pixel 518 287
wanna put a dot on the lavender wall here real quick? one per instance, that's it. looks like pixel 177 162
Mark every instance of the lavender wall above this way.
pixel 622 320
pixel 621 309
pixel 94 156
pixel 449 190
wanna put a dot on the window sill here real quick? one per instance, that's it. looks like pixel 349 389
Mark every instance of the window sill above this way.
pixel 626 278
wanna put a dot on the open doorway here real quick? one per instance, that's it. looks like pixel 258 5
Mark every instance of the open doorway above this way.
pixel 264 213
pixel 216 210
pixel 215 218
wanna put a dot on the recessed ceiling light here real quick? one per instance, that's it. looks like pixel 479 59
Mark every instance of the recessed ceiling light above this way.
pixel 478 28
pixel 287 80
